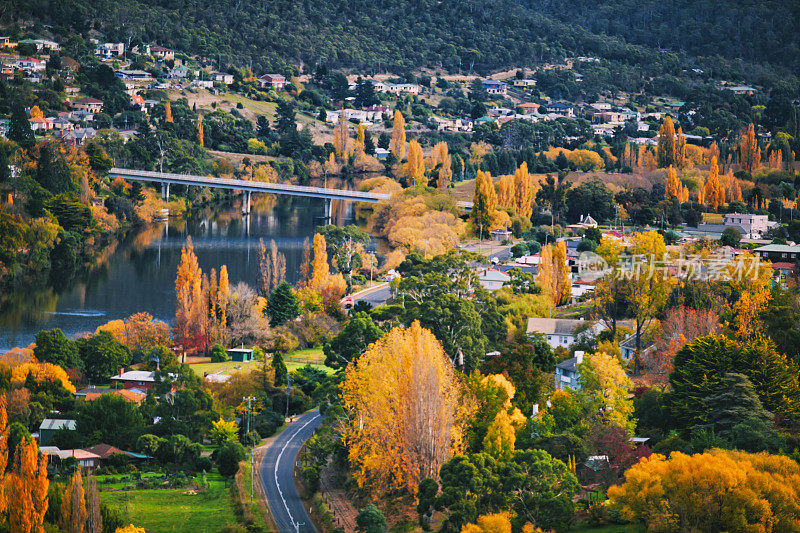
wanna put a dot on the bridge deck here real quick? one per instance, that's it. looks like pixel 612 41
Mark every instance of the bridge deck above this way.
pixel 253 186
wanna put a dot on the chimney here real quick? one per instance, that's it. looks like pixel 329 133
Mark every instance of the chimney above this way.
pixel 121 371
pixel 579 357
pixel 535 410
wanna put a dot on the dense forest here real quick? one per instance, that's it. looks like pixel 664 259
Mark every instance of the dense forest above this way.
pixel 464 35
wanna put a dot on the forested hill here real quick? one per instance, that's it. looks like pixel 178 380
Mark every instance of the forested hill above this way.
pixel 755 30
pixel 406 34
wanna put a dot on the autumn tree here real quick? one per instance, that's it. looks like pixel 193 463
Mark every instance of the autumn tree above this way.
pixel 680 326
pixel 713 193
pixel 168 111
pixel 94 519
pixel 341 137
pixel 719 490
pixel 674 185
pixel 490 523
pixel 749 152
pixel 554 276
pixel 73 505
pixel 271 268
pixel 441 164
pixel 398 143
pixel 403 398
pixel 606 386
pixel 523 191
pixel 750 279
pixel 414 169
pixel 666 151
pixel 305 265
pixel 485 215
pixel 320 271
pixel 191 310
pixel 501 434
pixel 200 130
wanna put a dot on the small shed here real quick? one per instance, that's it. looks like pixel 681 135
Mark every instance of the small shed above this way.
pixel 49 426
pixel 241 355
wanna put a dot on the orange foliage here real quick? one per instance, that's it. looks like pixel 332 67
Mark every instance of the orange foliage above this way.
pixel 749 152
pixel 41 372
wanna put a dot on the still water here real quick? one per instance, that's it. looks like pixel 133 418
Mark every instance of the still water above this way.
pixel 139 274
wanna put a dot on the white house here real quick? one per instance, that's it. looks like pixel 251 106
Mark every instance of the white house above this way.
pixel 525 82
pixel 162 53
pixel 109 50
pixel 495 87
pixel 563 331
pixel 31 64
pixel 492 279
pixel 222 77
pixel 567 373
pixel 272 81
pixel 753 225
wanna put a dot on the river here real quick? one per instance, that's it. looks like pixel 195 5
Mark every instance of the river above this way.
pixel 139 274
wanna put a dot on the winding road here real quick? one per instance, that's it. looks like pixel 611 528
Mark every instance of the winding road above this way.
pixel 277 475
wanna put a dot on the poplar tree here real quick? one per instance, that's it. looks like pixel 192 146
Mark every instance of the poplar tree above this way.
pixel 398 143
pixel 484 202
pixel 415 167
pixel 666 143
pixel 749 152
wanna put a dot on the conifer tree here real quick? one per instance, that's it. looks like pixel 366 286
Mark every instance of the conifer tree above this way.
pixel 279 367
pixel 19 128
pixel 283 305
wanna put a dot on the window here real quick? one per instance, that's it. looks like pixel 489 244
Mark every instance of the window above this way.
pixel 564 339
pixel 783 255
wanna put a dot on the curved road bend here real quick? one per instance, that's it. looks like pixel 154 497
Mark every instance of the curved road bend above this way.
pixel 278 479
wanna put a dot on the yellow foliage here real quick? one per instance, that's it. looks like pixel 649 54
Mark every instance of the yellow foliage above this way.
pixel 130 529
pixel 403 398
pixel 587 160
pixel 41 372
pixel 719 490
pixel 501 435
pixel 414 169
pixel 398 143
pixel 606 386
pixel 489 523
pixel 554 276
pixel 380 184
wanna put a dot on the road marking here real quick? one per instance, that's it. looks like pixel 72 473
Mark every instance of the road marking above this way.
pixel 278 462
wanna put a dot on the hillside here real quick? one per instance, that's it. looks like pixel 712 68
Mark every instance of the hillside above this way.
pixel 403 35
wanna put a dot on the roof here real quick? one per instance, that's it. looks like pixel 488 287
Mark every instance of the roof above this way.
pixel 239 350
pixel 96 390
pixel 780 248
pixel 554 326
pixel 87 100
pixel 130 395
pixel 77 453
pixel 783 266
pixel 569 365
pixel 105 450
pixel 135 375
pixel 276 77
pixel 55 424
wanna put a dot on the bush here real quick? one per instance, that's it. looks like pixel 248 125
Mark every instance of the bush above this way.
pixel 218 354
pixel 518 250
pixel 204 464
pixel 266 423
pixel 228 457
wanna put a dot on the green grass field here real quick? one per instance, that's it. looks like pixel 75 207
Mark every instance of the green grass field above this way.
pixel 175 509
pixel 294 360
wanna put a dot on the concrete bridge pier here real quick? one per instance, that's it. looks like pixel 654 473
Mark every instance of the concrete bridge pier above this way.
pixel 327 216
pixel 246 203
pixel 165 191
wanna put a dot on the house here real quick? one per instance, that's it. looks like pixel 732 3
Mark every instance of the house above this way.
pixel 42 44
pixel 381 153
pixel 91 105
pixel 86 460
pixel 741 89
pixel 241 355
pixel 178 72
pixel 129 395
pixel 567 373
pixel 525 82
pixel 560 109
pixel 500 234
pixel 563 331
pixel 49 427
pixel 136 379
pixel 137 100
pixel 7 71
pixel 134 75
pixel 628 347
pixel 105 451
pixel 528 107
pixel 495 87
pixel 31 64
pixel 222 77
pixel 6 42
pixel 779 253
pixel 276 82
pixel 492 279
pixel 40 123
pixel 109 50
pixel 751 226
pixel 61 124
pixel 203 84
pixel 782 271
pixel 162 53
pixel 97 390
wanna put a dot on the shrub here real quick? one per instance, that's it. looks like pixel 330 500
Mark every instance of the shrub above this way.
pixel 218 354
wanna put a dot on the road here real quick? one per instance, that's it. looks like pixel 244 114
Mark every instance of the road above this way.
pixel 375 296
pixel 278 479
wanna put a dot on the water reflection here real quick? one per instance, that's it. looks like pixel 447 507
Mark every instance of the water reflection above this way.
pixel 139 274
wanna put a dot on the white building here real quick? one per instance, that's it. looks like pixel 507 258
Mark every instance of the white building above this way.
pixel 753 225
pixel 567 373
pixel 563 331
pixel 222 77
pixel 491 279
pixel 109 50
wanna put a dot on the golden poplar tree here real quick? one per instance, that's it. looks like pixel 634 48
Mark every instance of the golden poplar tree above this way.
pixel 440 158
pixel 546 275
pixel 167 111
pixel 501 435
pixel 223 297
pixel 562 288
pixel 320 271
pixel 484 203
pixel 361 134
pixel 680 148
pixel 674 185
pixel 73 505
pixel 666 143
pixel 200 130
pixel 505 191
pixel 398 144
pixel 523 191
pixel 736 191
pixel 713 193
pixel 749 152
pixel 414 169
pixel 403 399
pixel 94 520
pixel 190 309
pixel 340 136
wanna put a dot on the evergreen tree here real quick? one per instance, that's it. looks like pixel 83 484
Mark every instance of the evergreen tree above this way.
pixel 370 520
pixel 19 129
pixel 283 305
pixel 281 372
pixel 734 401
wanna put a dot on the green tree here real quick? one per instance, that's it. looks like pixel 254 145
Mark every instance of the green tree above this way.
pixel 590 198
pixel 730 237
pixel 733 401
pixel 52 346
pixel 699 369
pixel 282 305
pixel 359 332
pixel 218 354
pixel 109 419
pixel 281 372
pixel 370 520
pixel 103 356
pixel 19 129
pixel 228 456
pixel 606 386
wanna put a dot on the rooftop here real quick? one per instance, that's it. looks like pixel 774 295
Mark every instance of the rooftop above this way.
pixel 554 326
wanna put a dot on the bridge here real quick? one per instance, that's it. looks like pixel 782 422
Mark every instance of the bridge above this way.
pixel 248 187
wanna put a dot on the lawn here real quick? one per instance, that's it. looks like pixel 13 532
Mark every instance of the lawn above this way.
pixel 294 360
pixel 176 509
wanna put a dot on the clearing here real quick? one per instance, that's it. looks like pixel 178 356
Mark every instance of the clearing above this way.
pixel 295 360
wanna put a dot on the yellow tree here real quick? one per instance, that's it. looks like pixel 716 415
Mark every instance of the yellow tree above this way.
pixel 167 111
pixel 666 143
pixel 73 505
pixel 223 297
pixel 320 271
pixel 490 523
pixel 404 404
pixel 361 135
pixel 674 185
pixel 36 112
pixel 190 309
pixel 751 279
pixel 130 529
pixel 562 284
pixel 501 435
pixel 546 275
pixel 441 158
pixel 680 149
pixel 606 386
pixel 484 203
pixel 523 191
pixel 713 193
pixel 341 136
pixel 414 169
pixel 398 143
pixel 749 152
pixel 200 130
pixel 505 191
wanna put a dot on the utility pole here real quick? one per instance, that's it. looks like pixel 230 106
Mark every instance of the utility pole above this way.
pixel 252 453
